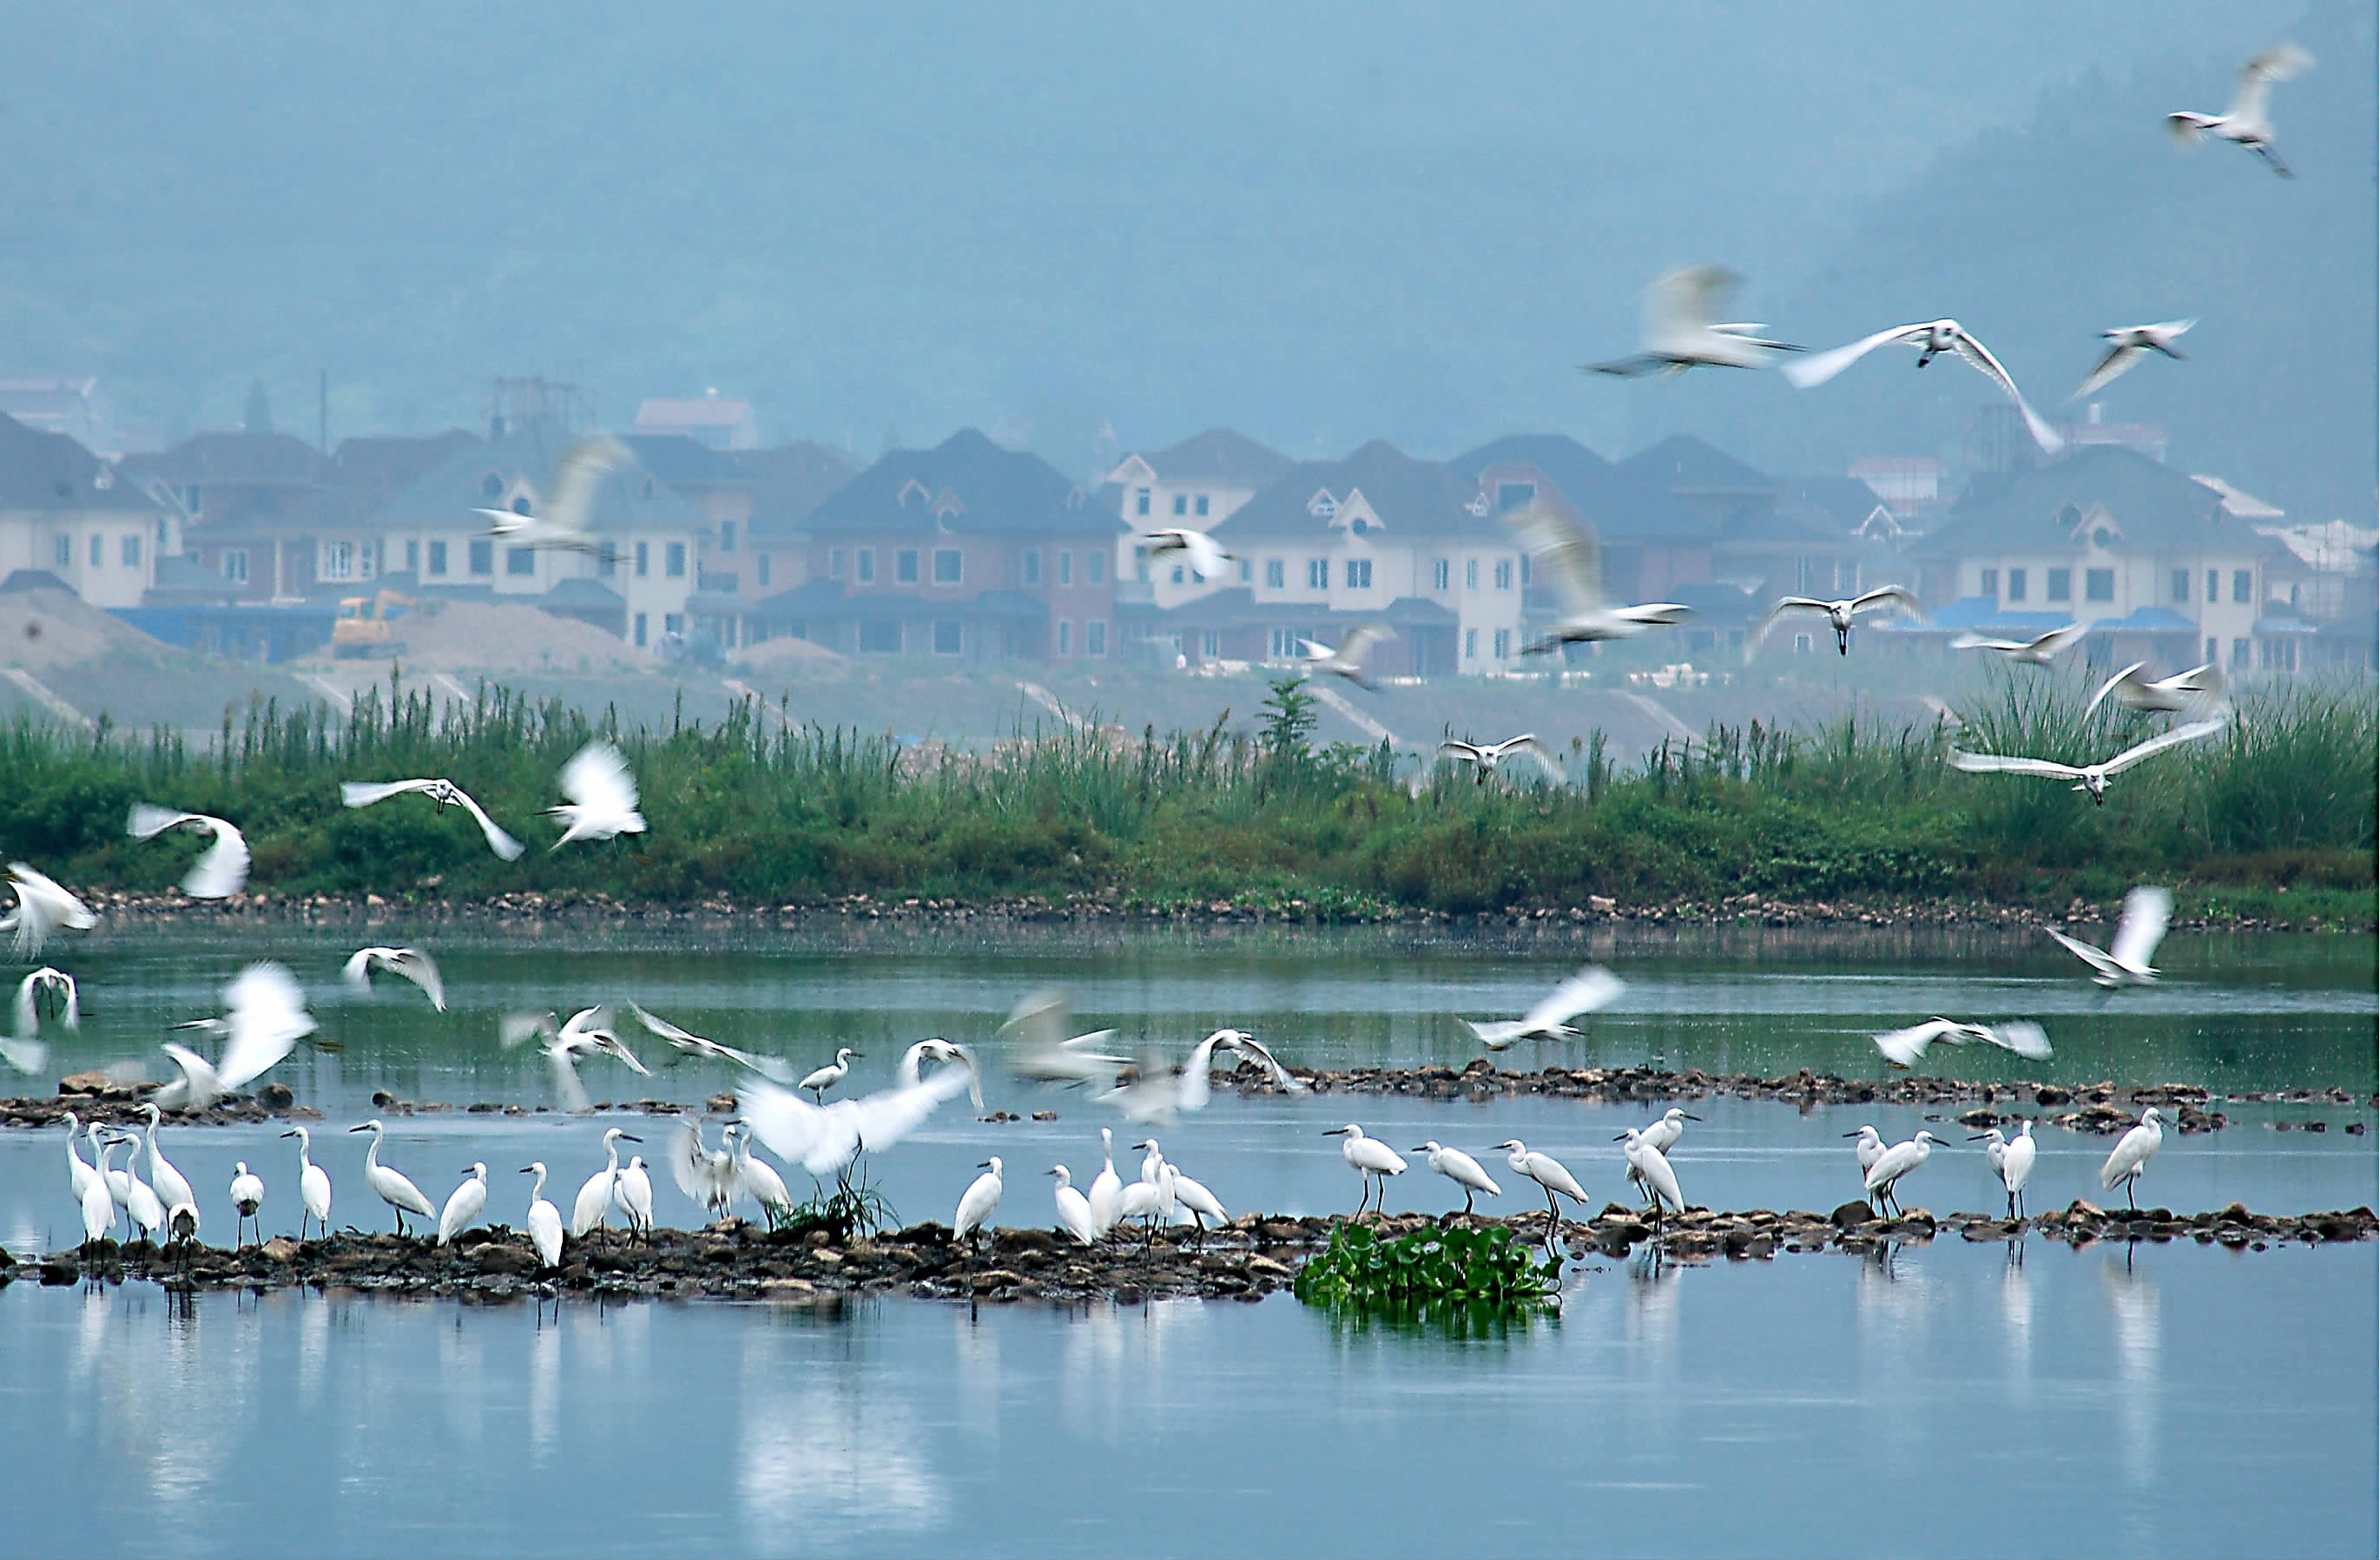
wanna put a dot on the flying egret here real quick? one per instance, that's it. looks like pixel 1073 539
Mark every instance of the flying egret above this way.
pixel 588 1030
pixel 1884 1176
pixel 2246 122
pixel 1461 1170
pixel 1202 552
pixel 1841 613
pixel 313 1183
pixel 1649 1168
pixel 44 991
pixel 1932 338
pixel 464 1206
pixel 1156 1090
pixel 247 1200
pixel 1549 1174
pixel 1107 1188
pixel 707 1176
pixel 264 1020
pixel 389 1184
pixel 2147 911
pixel 2195 691
pixel 2042 649
pixel 941 1051
pixel 2011 1161
pixel 172 1185
pixel 220 869
pixel 1045 1053
pixel 593 1205
pixel 1574 563
pixel 759 1177
pixel 560 523
pixel 1074 1209
pixel 544 1220
pixel 1868 1150
pixel 97 1205
pixel 603 796
pixel 2092 778
pixel 42 909
pixel 634 1194
pixel 977 1202
pixel 774 1068
pixel 2134 1152
pixel 818 1083
pixel 1902 1048
pixel 826 1138
pixel 409 962
pixel 1485 757
pixel 1682 330
pixel 446 794
pixel 1347 657
pixel 2126 346
pixel 1368 1157
pixel 1590 990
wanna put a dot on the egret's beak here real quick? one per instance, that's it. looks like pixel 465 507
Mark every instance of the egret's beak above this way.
pixel 1418 1148
pixel 630 1137
pixel 359 1128
pixel 528 1171
pixel 1851 1134
pixel 1689 1116
pixel 1977 1137
pixel 1336 1133
pixel 985 1165
pixel 289 1135
pixel 1619 1137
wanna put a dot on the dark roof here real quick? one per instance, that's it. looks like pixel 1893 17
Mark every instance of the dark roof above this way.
pixel 253 459
pixel 577 591
pixel 24 581
pixel 828 599
pixel 1682 464
pixel 685 463
pixel 1833 505
pixel 449 491
pixel 2154 506
pixel 385 464
pixel 1412 497
pixel 1581 474
pixel 966 485
pixel 50 471
pixel 790 481
pixel 1219 454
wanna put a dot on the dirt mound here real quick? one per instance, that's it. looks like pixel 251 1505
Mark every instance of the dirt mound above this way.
pixel 775 656
pixel 480 636
pixel 41 630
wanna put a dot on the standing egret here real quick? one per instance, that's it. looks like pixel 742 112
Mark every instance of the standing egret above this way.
pixel 826 1077
pixel 2012 1161
pixel 1885 1175
pixel 603 796
pixel 1868 1150
pixel 247 1201
pixel 634 1192
pixel 98 1206
pixel 140 1199
pixel 221 868
pixel 170 1184
pixel 314 1184
pixel 593 1205
pixel 1368 1157
pixel 1550 1176
pixel 411 963
pixel 1461 1170
pixel 463 1205
pixel 1649 1168
pixel 2134 1152
pixel 544 1220
pixel 390 1185
pixel 1193 1197
pixel 1107 1188
pixel 1590 990
pixel 2138 931
pixel 79 1175
pixel 975 1205
pixel 1074 1208
pixel 759 1177
pixel 446 794
pixel 1664 1135
pixel 43 909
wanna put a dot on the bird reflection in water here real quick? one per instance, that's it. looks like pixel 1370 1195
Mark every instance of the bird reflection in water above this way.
pixel 2139 1342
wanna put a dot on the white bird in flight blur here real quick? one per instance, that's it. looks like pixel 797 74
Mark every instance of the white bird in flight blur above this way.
pixel 411 963
pixel 588 1030
pixel 1575 564
pixel 43 991
pixel 1841 614
pixel 603 796
pixel 1485 756
pixel 2200 689
pixel 2011 1161
pixel 1159 1091
pixel 464 1206
pixel 944 1054
pixel 1885 1175
pixel 2147 911
pixel 2040 650
pixel 1347 660
pixel 1369 1158
pixel 1202 552
pixel 2132 1153
pixel 2246 122
pixel 1460 1169
pixel 220 869
pixel 1902 1048
pixel 1932 338
pixel 2126 346
pixel 774 1068
pixel 42 909
pixel 1590 990
pixel 975 1205
pixel 706 1175
pixel 2092 778
pixel 824 1140
pixel 560 522
pixel 446 794
pixel 1682 330
pixel 1045 1053
pixel 390 1184
pixel 264 1018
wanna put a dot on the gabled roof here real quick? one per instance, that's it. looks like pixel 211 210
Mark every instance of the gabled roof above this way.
pixel 525 455
pixel 1684 465
pixel 51 472
pixel 790 481
pixel 2039 510
pixel 1583 476
pixel 1219 454
pixel 685 463
pixel 692 411
pixel 381 464
pixel 279 460
pixel 966 485
pixel 1411 497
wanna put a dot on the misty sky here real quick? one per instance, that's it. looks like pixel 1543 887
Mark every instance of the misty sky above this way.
pixel 1318 224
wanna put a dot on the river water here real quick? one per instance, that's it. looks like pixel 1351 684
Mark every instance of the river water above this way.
pixel 1939 1399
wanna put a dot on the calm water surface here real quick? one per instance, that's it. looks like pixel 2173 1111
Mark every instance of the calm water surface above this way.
pixel 2179 1399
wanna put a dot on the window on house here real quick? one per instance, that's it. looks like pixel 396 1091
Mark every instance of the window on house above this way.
pixel 1284 642
pixel 1504 574
pixel 483 560
pixel 946 637
pixel 2016 584
pixel 1801 644
pixel 1181 505
pixel 905 565
pixel 520 504
pixel 834 562
pixel 62 552
pixel 2243 586
pixel 1317 574
pixel 1359 573
pixel 438 558
pixel 1032 566
pixel 1140 500
pixel 1846 576
pixel 1211 643
pixel 640 631
pixel 947 565
pixel 1503 644
pixel 1470 644
pixel 1990 584
pixel 1095 568
pixel 235 565
pixel 1441 574
pixel 2214 585
pixel 865 562
pixel 727 536
pixel 1276 573
pixel 761 570
pixel 1471 574
pixel 2098 584
pixel 1511 496
pixel 607 559
pixel 673 562
pixel 880 637
pixel 1095 639
pixel 130 553
pixel 1524 570
pixel 519 561
pixel 1247 571
pixel 1202 506
pixel 2181 585
pixel 2060 585
pixel 1066 637
pixel 2213 650
pixel 2241 650
pixel 412 556
pixel 673 623
pixel 194 499
pixel 492 486
pixel 644 559
pixel 1065 567
pixel 338 560
pixel 98 550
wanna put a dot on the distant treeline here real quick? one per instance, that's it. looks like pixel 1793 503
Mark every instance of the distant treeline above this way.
pixel 2273 816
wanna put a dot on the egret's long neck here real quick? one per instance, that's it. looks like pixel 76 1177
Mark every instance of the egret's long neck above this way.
pixel 536 1188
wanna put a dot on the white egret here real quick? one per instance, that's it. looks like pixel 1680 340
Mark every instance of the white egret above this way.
pixel 2197 690
pixel 1574 563
pixel 1193 1197
pixel 1591 990
pixel 446 794
pixel 977 1202
pixel 98 1206
pixel 774 1068
pixel 1107 1188
pixel 1461 1170
pixel 941 1051
pixel 2147 911
pixel 634 1194
pixel 182 1227
pixel 2040 650
pixel 314 1184
pixel 1074 1209
pixel 43 991
pixel 1884 1176
pixel 594 1204
pixel 221 868
pixel 247 1200
pixel 1868 1150
pixel 42 909
pixel 1902 1048
pixel 1649 1168
pixel 1346 659
pixel 464 1206
pixel 2247 122
pixel 1202 552
pixel 389 1184
pixel 1550 1174
pixel 1141 1200
pixel 2131 1157
pixel 140 1199
pixel 1046 1053
pixel 1156 1090
pixel 172 1185
pixel 2126 346
pixel 561 521
pixel 544 1220
pixel 1368 1157
pixel 264 1018
pixel 79 1175
pixel 707 1176
pixel 1841 613
pixel 1932 338
pixel 1664 1134
pixel 2011 1161
pixel 1682 329
pixel 603 796
pixel 588 1030
pixel 2092 778
pixel 817 1082
pixel 759 1177
pixel 408 962
pixel 1485 757
pixel 826 1138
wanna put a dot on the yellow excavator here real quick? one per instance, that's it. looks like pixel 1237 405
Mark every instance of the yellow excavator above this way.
pixel 363 628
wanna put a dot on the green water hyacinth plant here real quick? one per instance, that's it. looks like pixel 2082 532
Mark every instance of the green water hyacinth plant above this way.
pixel 1455 1266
